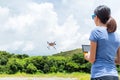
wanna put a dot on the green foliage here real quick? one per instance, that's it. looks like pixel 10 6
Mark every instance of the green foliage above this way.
pixel 70 61
pixel 78 58
pixel 4 56
pixel 3 60
pixel 57 63
pixel 69 53
pixel 31 69
pixel 118 68
pixel 14 66
pixel 38 61
pixel 84 66
pixel 53 69
pixel 46 68
pixel 20 56
pixel 3 69
pixel 72 67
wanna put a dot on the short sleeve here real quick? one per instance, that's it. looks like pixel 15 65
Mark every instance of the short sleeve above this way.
pixel 118 37
pixel 94 36
pixel 119 41
pixel 119 44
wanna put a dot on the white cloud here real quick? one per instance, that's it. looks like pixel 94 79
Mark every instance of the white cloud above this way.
pixel 68 34
pixel 13 46
pixel 3 47
pixel 4 11
pixel 16 45
pixel 29 46
pixel 33 25
pixel 26 27
pixel 19 23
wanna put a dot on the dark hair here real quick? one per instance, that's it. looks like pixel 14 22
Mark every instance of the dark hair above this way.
pixel 104 14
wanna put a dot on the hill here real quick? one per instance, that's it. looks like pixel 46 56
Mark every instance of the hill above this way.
pixel 69 53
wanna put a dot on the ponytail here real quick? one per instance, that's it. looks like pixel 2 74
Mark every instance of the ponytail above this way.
pixel 111 25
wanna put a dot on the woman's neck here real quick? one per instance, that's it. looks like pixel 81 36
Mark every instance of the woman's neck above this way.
pixel 102 25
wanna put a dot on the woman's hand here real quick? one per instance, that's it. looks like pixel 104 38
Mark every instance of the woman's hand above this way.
pixel 92 55
pixel 86 56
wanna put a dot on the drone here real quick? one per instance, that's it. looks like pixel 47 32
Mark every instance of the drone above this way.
pixel 51 44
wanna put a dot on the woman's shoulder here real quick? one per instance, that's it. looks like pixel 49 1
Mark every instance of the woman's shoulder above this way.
pixel 99 30
pixel 117 35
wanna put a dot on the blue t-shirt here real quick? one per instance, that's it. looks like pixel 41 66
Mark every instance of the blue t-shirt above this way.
pixel 107 46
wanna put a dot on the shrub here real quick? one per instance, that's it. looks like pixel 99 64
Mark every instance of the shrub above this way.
pixel 46 68
pixel 3 69
pixel 14 66
pixel 31 69
pixel 72 67
pixel 53 69
pixel 3 60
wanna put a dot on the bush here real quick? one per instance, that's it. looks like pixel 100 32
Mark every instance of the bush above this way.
pixel 20 56
pixel 43 64
pixel 4 56
pixel 38 61
pixel 14 66
pixel 53 69
pixel 79 58
pixel 3 60
pixel 3 69
pixel 84 66
pixel 46 68
pixel 61 68
pixel 58 62
pixel 31 69
pixel 118 68
pixel 72 67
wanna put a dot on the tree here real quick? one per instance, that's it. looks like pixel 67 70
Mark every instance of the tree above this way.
pixel 3 69
pixel 72 67
pixel 14 66
pixel 31 69
pixel 4 53
pixel 4 56
pixel 20 56
pixel 78 58
pixel 46 68
pixel 84 66
pixel 53 69
pixel 3 60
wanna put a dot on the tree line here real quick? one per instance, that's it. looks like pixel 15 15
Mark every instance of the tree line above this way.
pixel 13 63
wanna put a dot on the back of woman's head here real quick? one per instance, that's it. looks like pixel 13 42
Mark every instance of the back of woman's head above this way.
pixel 104 14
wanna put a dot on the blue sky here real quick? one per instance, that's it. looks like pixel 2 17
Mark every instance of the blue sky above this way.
pixel 27 25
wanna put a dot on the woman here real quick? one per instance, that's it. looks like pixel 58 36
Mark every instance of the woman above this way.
pixel 104 46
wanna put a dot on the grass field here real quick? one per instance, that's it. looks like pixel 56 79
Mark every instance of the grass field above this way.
pixel 51 76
